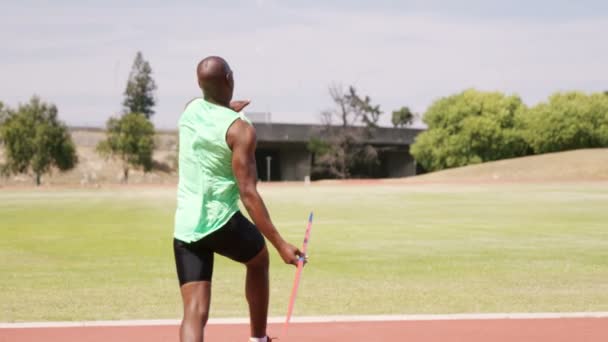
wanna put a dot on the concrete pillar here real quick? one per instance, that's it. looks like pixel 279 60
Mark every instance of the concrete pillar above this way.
pixel 400 164
pixel 295 163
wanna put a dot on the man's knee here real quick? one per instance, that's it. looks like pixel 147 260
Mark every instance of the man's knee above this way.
pixel 197 311
pixel 261 260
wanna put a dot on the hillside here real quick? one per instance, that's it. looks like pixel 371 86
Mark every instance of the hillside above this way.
pixel 92 169
pixel 588 164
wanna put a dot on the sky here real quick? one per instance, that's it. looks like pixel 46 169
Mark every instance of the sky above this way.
pixel 285 54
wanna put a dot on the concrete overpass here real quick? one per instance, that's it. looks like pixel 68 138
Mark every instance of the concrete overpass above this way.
pixel 282 152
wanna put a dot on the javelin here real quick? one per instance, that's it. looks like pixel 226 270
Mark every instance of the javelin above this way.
pixel 296 282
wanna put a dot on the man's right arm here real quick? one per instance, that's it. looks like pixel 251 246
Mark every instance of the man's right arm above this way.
pixel 242 141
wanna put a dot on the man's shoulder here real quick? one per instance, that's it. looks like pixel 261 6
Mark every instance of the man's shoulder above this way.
pixel 191 107
pixel 198 111
pixel 194 104
pixel 241 131
pixel 241 126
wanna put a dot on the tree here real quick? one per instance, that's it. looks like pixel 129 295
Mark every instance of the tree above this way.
pixel 363 109
pixel 402 117
pixel 567 121
pixel 468 128
pixel 139 94
pixel 3 112
pixel 350 109
pixel 343 151
pixel 35 140
pixel 130 139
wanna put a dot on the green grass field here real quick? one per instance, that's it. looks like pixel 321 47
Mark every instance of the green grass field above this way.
pixel 392 249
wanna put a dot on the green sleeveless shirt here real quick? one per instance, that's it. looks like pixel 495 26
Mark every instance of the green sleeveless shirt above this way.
pixel 207 193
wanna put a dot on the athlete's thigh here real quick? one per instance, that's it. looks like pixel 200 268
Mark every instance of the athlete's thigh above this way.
pixel 239 239
pixel 193 261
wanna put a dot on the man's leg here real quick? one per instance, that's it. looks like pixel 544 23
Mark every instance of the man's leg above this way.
pixel 241 241
pixel 196 296
pixel 257 293
pixel 194 263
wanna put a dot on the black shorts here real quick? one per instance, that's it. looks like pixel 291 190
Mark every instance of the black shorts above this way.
pixel 238 240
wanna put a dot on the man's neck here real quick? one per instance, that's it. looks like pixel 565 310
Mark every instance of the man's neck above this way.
pixel 216 102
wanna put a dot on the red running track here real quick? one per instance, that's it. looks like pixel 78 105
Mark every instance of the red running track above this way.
pixel 495 330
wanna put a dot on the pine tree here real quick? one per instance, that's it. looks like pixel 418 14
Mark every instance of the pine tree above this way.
pixel 139 95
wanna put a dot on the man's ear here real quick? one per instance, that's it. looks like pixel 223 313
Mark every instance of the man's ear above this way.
pixel 229 78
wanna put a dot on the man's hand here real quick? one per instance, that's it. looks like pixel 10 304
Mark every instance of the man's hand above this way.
pixel 289 253
pixel 239 105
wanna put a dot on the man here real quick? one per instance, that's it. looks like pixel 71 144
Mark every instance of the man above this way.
pixel 216 167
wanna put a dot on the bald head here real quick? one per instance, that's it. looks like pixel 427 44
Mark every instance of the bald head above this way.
pixel 215 79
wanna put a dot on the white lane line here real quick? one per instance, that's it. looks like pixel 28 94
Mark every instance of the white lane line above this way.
pixel 314 319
